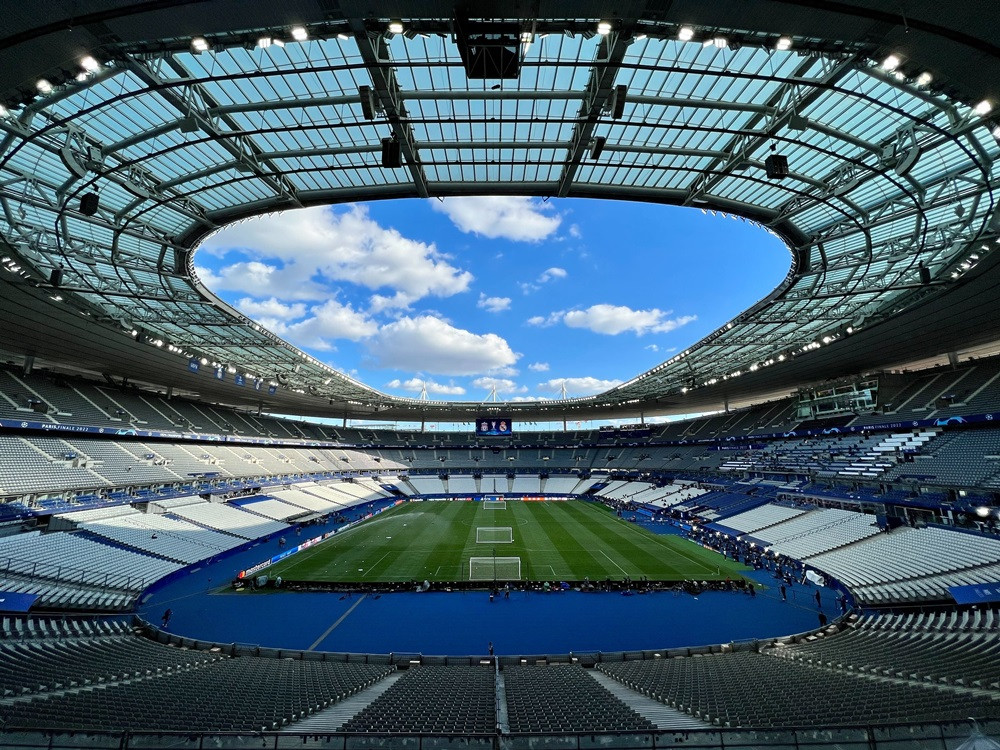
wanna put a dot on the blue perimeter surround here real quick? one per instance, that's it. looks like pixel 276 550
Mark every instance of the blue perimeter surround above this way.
pixel 454 624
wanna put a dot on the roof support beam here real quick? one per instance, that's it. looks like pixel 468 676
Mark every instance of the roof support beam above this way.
pixel 610 54
pixel 742 147
pixel 375 54
pixel 242 149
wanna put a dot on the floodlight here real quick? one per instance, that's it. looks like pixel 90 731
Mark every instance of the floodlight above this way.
pixel 891 62
pixel 783 43
pixel 264 42
pixel 199 44
pixel 299 33
pixel 44 86
pixel 4 111
pixel 984 107
pixel 395 26
pixel 720 42
pixel 604 28
pixel 89 64
pixel 982 511
pixel 924 79
pixel 685 33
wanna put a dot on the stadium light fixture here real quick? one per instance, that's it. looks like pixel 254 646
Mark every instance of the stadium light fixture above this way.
pixel 44 86
pixel 264 42
pixel 89 64
pixel 395 26
pixel 685 33
pixel 299 33
pixel 4 112
pixel 984 108
pixel 784 43
pixel 604 28
pixel 924 79
pixel 891 62
pixel 343 37
pixel 982 511
pixel 200 44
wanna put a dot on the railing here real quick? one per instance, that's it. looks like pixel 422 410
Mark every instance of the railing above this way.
pixel 54 573
pixel 933 736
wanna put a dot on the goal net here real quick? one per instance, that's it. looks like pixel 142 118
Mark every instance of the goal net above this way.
pixel 494 568
pixel 494 535
pixel 494 505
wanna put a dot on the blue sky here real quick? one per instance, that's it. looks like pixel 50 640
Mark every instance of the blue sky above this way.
pixel 466 294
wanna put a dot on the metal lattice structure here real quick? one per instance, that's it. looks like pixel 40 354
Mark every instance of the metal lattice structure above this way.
pixel 889 202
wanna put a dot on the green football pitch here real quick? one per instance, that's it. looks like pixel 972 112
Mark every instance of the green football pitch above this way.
pixel 536 540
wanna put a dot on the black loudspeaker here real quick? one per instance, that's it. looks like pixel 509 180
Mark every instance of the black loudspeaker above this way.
pixel 597 146
pixel 776 166
pixel 618 107
pixel 391 156
pixel 55 278
pixel 925 274
pixel 89 204
pixel 367 102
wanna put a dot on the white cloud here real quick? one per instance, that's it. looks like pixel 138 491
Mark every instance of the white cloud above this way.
pixel 326 322
pixel 539 367
pixel 504 372
pixel 272 309
pixel 493 304
pixel 652 348
pixel 545 277
pixel 552 273
pixel 544 321
pixel 431 345
pixel 417 385
pixel 578 386
pixel 502 385
pixel 511 217
pixel 615 319
pixel 308 248
pixel 574 231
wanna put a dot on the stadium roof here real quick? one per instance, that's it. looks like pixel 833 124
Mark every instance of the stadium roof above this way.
pixel 184 116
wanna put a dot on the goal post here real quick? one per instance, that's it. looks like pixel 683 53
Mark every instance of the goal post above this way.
pixel 494 568
pixel 494 535
pixel 494 505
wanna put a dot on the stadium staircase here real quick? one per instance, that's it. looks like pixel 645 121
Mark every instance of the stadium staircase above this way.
pixel 334 717
pixel 663 716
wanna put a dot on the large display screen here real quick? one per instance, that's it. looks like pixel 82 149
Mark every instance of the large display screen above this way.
pixel 494 426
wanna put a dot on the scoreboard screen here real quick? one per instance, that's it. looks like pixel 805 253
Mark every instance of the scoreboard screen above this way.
pixel 494 426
